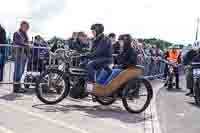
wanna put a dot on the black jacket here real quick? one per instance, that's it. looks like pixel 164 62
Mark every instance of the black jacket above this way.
pixel 101 48
pixel 128 58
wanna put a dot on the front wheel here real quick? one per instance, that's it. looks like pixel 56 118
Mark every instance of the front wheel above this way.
pixel 137 95
pixel 197 91
pixel 52 86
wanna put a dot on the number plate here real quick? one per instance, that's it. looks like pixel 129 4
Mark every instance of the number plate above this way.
pixel 196 72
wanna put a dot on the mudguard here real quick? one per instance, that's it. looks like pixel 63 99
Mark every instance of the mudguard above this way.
pixel 116 81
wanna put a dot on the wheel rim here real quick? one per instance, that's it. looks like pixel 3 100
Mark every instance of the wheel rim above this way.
pixel 51 87
pixel 137 97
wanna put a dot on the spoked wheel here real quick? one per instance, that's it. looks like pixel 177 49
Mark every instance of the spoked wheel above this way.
pixel 106 100
pixel 197 91
pixel 137 95
pixel 52 86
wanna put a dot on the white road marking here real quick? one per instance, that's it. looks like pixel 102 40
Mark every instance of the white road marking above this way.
pixel 42 117
pixel 5 130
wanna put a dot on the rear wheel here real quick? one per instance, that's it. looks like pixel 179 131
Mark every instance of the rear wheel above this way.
pixel 197 91
pixel 52 86
pixel 137 95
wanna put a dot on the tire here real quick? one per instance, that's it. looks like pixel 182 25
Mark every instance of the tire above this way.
pixel 131 86
pixel 63 95
pixel 106 100
pixel 197 92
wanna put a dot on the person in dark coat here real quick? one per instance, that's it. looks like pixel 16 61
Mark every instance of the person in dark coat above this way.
pixel 2 51
pixel 128 56
pixel 20 40
pixel 101 53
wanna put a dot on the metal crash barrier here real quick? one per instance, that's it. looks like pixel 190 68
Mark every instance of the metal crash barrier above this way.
pixel 22 64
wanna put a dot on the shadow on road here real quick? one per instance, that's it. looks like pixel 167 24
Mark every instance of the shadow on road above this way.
pixel 98 111
pixel 15 96
pixel 12 97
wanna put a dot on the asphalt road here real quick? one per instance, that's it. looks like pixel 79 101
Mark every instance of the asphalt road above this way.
pixel 25 114
pixel 176 112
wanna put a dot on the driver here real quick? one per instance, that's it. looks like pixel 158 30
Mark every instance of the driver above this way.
pixel 101 53
pixel 192 56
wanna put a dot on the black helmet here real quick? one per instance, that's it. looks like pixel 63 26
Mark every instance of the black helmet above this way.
pixel 98 28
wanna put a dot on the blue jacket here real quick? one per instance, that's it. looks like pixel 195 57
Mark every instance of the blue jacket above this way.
pixel 101 48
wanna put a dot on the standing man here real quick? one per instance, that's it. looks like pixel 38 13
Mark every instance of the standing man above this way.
pixel 2 51
pixel 20 40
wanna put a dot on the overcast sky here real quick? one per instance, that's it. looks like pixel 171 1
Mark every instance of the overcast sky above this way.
pixel 172 20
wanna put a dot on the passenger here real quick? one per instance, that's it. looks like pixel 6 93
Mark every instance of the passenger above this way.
pixel 128 56
pixel 20 39
pixel 192 56
pixel 101 53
